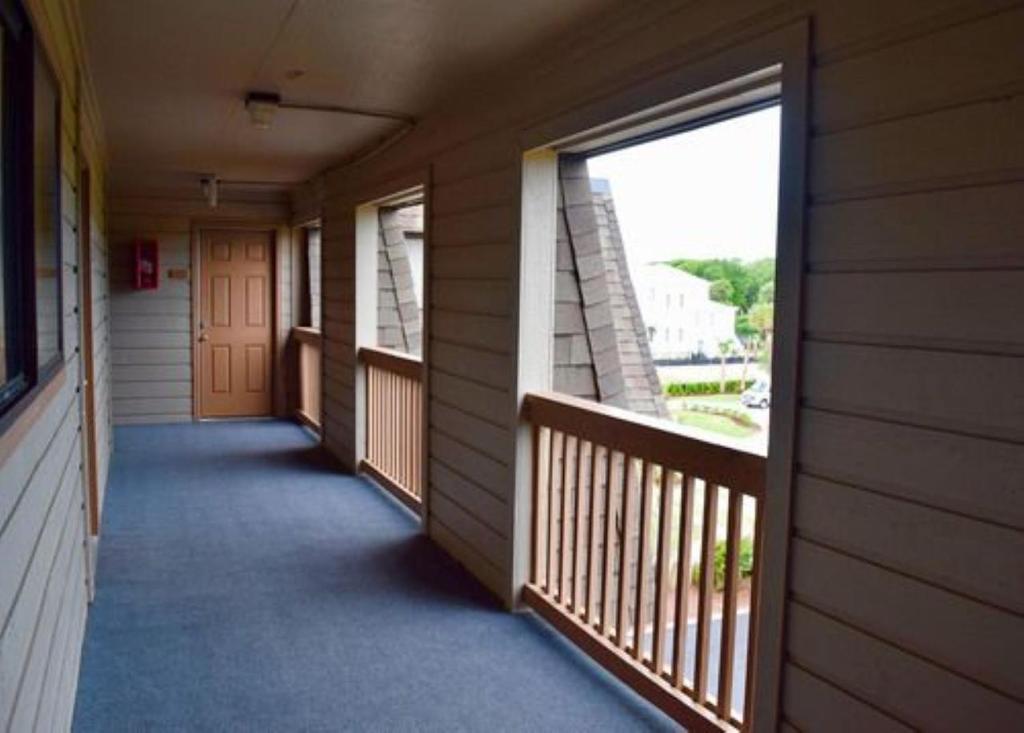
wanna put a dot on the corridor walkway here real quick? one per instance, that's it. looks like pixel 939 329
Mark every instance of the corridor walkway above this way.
pixel 246 585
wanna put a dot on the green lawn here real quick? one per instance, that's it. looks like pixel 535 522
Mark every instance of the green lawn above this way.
pixel 712 423
pixel 731 401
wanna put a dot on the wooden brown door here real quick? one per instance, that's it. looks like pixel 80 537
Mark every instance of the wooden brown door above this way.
pixel 235 334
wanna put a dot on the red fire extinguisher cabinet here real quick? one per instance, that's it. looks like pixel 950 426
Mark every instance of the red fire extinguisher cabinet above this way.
pixel 147 264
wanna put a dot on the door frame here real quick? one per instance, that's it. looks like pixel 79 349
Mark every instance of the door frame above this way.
pixel 87 352
pixel 278 238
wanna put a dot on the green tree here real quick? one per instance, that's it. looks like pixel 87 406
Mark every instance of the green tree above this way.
pixel 722 291
pixel 761 317
pixel 746 278
pixel 724 351
pixel 743 328
pixel 767 293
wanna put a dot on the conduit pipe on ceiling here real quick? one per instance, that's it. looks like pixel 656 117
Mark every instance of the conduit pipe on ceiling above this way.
pixel 263 105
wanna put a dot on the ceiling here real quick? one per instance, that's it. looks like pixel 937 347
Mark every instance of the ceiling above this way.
pixel 171 75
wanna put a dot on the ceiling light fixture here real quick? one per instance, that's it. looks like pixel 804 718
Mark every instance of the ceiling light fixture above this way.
pixel 262 107
pixel 211 189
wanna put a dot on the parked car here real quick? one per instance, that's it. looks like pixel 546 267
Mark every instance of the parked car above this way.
pixel 758 394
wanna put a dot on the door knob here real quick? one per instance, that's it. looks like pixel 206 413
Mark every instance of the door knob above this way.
pixel 203 337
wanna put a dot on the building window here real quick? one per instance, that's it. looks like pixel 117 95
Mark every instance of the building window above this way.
pixel 31 344
pixel 309 277
pixel 681 300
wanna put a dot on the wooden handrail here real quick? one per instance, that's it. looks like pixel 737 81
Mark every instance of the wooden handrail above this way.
pixel 651 440
pixel 307 335
pixel 390 360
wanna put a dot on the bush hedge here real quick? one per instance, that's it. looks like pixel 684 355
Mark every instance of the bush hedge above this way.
pixel 746 562
pixel 690 389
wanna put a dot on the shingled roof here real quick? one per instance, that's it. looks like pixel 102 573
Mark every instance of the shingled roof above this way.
pixel 601 349
pixel 399 317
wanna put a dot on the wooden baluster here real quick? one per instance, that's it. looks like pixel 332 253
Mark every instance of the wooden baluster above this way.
pixel 393 436
pixel 625 556
pixel 732 582
pixel 400 423
pixel 417 464
pixel 643 561
pixel 387 433
pixel 396 428
pixel 377 385
pixel 593 534
pixel 406 435
pixel 706 592
pixel 752 629
pixel 683 580
pixel 381 438
pixel 369 415
pixel 663 578
pixel 579 545
pixel 380 390
pixel 302 376
pixel 554 484
pixel 417 444
pixel 414 449
pixel 613 477
pixel 571 448
pixel 399 414
pixel 318 385
pixel 541 457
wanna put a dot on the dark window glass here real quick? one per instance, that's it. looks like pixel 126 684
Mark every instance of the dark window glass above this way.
pixel 31 314
pixel 6 353
pixel 15 349
pixel 46 203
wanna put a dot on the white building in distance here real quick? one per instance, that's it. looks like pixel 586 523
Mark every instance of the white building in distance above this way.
pixel 682 321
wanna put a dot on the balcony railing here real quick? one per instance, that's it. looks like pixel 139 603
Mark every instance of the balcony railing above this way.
pixel 309 344
pixel 394 422
pixel 626 524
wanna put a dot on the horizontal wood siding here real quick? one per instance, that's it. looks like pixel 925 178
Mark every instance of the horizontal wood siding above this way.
pixel 907 596
pixel 910 428
pixel 45 557
pixel 151 341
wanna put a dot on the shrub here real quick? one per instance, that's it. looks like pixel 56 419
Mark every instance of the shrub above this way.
pixel 691 389
pixel 746 562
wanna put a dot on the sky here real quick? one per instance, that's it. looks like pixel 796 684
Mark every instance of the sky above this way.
pixel 711 192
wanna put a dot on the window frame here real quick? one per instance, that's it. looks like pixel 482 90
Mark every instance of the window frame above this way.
pixel 45 371
pixel 21 54
pixel 682 82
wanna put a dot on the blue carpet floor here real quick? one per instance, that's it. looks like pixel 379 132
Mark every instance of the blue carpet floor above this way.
pixel 246 585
